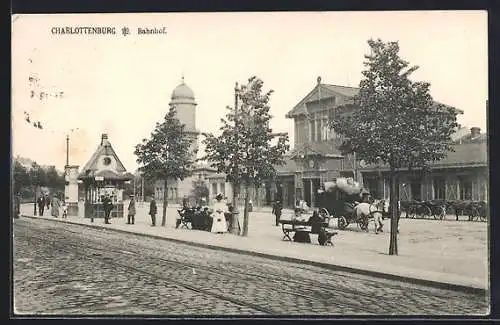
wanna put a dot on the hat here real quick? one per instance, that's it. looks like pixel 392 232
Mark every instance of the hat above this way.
pixel 132 195
pixel 218 197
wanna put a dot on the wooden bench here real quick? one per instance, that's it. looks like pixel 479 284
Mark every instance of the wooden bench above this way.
pixel 324 233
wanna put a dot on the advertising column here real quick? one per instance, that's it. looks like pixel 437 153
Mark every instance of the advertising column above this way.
pixel 71 190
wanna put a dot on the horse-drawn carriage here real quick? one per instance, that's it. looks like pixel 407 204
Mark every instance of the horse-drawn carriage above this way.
pixel 340 199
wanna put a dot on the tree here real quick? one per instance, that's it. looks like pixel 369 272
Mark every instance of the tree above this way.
pixel 54 180
pixel 20 176
pixel 200 190
pixel 394 121
pixel 243 151
pixel 166 155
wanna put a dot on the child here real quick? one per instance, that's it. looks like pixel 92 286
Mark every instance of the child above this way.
pixel 64 210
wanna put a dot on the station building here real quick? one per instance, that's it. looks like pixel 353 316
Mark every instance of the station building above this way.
pixel 462 175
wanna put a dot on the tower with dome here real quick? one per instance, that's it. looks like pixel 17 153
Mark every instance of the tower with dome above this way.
pixel 183 100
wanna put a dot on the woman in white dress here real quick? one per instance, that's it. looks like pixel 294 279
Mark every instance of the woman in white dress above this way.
pixel 219 225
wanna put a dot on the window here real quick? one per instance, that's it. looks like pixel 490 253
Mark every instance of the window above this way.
pixel 319 127
pixel 465 188
pixel 223 189
pixel 296 132
pixel 214 189
pixel 439 188
pixel 325 128
pixel 312 129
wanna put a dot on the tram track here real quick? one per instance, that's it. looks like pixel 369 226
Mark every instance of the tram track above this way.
pixel 110 261
pixel 329 289
pixel 317 270
pixel 318 293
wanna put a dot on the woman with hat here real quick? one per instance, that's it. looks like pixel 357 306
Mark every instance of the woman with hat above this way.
pixel 219 225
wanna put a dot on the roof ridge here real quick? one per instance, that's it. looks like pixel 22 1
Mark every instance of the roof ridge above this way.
pixel 341 86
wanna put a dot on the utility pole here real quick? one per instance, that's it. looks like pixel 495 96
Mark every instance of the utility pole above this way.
pixel 67 150
pixel 235 183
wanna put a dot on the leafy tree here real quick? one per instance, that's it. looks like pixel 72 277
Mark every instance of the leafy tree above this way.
pixel 21 177
pixel 54 179
pixel 200 190
pixel 243 151
pixel 166 155
pixel 38 176
pixel 394 121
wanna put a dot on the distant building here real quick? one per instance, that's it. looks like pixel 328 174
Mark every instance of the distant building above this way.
pixel 461 175
pixel 184 101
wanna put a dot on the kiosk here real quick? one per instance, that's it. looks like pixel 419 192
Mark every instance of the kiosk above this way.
pixel 104 174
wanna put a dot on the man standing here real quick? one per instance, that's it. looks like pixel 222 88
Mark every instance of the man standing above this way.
pixel 41 205
pixel 107 206
pixel 131 211
pixel 152 211
pixel 277 211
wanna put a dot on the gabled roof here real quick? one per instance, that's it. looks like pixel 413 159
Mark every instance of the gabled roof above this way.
pixel 322 91
pixel 104 148
pixel 327 91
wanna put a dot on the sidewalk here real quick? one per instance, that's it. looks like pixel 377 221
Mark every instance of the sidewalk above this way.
pixel 448 252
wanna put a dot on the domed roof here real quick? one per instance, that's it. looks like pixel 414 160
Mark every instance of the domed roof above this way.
pixel 182 91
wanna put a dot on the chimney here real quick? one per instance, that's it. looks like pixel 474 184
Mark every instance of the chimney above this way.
pixel 104 136
pixel 475 132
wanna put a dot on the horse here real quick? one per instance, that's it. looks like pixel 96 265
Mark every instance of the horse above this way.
pixel 372 211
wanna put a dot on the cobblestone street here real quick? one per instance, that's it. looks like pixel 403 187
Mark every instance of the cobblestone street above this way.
pixel 70 269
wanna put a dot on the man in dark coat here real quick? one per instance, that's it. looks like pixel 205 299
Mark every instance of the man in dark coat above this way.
pixel 107 206
pixel 41 205
pixel 131 211
pixel 277 208
pixel 152 211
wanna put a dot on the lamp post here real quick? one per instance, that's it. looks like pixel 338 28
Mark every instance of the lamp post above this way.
pixel 235 182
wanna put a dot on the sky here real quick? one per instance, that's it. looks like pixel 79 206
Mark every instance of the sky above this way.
pixel 121 85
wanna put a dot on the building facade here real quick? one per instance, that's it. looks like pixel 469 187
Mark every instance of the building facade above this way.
pixel 463 174
pixel 315 152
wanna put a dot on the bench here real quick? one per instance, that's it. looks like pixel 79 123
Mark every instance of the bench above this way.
pixel 186 216
pixel 324 233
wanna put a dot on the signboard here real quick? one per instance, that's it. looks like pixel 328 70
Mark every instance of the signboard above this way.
pixel 99 178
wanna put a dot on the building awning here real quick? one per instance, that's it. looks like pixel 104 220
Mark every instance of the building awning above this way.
pixel 106 175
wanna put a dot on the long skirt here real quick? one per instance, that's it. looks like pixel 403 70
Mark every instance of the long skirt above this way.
pixel 219 223
pixel 55 210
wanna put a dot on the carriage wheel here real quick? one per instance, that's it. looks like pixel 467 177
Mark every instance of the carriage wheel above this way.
pixel 341 223
pixel 426 212
pixel 474 214
pixel 412 212
pixel 363 223
pixel 440 213
pixel 324 213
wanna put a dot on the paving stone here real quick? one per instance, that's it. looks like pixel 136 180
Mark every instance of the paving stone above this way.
pixel 78 270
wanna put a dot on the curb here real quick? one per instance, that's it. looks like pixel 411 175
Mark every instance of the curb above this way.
pixel 387 276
